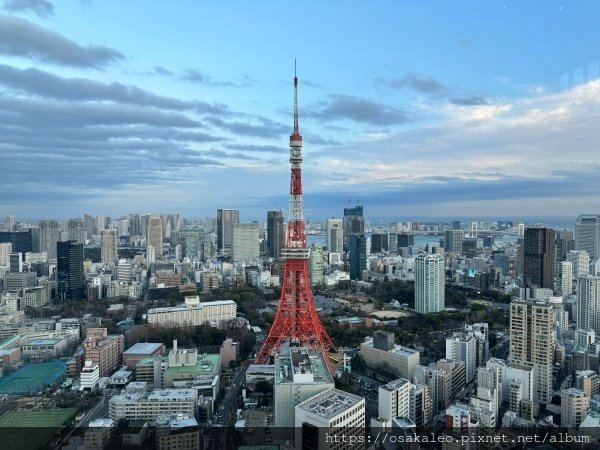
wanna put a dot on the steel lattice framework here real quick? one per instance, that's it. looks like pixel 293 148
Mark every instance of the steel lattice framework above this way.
pixel 296 318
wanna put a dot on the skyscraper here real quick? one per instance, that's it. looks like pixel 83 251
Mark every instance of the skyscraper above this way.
pixel 588 303
pixel 430 279
pixel 453 241
pixel 108 249
pixel 580 261
pixel 587 234
pixel 69 271
pixel 357 255
pixel 275 233
pixel 380 242
pixel 564 281
pixel 531 343
pixel 246 241
pixel 335 235
pixel 538 258
pixel 315 264
pixel 225 220
pixel 89 224
pixel 48 237
pixel 100 223
pixel 154 233
pixel 10 223
pixel 354 223
pixel 135 225
pixel 76 231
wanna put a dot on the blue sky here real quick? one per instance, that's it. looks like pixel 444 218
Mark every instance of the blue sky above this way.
pixel 436 108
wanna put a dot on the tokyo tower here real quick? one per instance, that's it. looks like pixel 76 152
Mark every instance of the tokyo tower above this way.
pixel 296 319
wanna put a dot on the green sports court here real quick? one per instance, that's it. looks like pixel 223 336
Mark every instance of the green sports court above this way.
pixel 30 430
pixel 31 378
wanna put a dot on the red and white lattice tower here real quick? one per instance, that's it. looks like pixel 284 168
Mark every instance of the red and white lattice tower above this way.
pixel 296 319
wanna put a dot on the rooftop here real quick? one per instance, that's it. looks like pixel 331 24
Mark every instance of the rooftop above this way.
pixel 301 366
pixel 184 307
pixel 207 363
pixel 330 403
pixel 143 348
pixel 393 385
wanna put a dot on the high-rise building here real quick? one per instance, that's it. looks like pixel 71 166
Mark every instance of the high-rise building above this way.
pixel 89 224
pixel 100 223
pixel 335 235
pixel 588 303
pixel 580 262
pixel 462 347
pixel 394 399
pixel 564 281
pixel 587 234
pixel 406 239
pixel 76 231
pixel 10 224
pixel 5 251
pixel 380 242
pixel 48 237
pixel 192 242
pixel 21 241
pixel 453 241
pixel 108 249
pixel 315 264
pixel 538 258
pixel 357 255
pixel 456 225
pixel 225 220
pixel 275 233
pixel 16 262
pixel 531 343
pixel 354 223
pixel 246 241
pixel 420 404
pixel 154 233
pixel 170 224
pixel 69 270
pixel 574 407
pixel 135 225
pixel 430 277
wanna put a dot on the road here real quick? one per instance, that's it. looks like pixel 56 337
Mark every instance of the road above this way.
pixel 230 402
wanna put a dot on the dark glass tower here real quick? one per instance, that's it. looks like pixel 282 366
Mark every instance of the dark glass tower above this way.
pixel 538 258
pixel 69 271
pixel 275 233
pixel 357 255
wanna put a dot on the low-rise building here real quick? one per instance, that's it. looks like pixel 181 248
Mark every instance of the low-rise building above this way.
pixel 396 359
pixel 149 406
pixel 194 313
pixel 136 352
pixel 90 376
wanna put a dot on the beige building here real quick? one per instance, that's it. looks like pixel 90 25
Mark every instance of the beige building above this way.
pixel 394 399
pixel 108 249
pixel 574 407
pixel 324 419
pixel 154 233
pixel 532 343
pixel 194 313
pixel 398 360
pixel 151 405
pixel 588 381
pixel 103 349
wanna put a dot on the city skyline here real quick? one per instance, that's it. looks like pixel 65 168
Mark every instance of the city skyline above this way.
pixel 429 120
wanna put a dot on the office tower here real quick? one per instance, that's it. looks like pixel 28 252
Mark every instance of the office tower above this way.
pixel 588 303
pixel 406 240
pixel 380 242
pixel 531 343
pixel 49 236
pixel 420 404
pixel 21 241
pixel 354 223
pixel 357 255
pixel 315 264
pixel 587 234
pixel 69 271
pixel 10 223
pixel 150 254
pixel 76 231
pixel 246 241
pixel 135 225
pixel 108 249
pixel 275 233
pixel 296 319
pixel 16 262
pixel 329 419
pixel 462 347
pixel 154 233
pixel 538 257
pixel 225 220
pixel 335 235
pixel 430 278
pixel 394 399
pixel 170 224
pixel 192 242
pixel 453 241
pixel 564 281
pixel 456 225
pixel 564 242
pixel 5 251
pixel 580 261
pixel 100 223
pixel 574 407
pixel 89 224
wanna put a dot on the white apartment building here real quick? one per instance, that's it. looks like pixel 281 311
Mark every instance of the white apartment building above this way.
pixel 150 405
pixel 194 313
